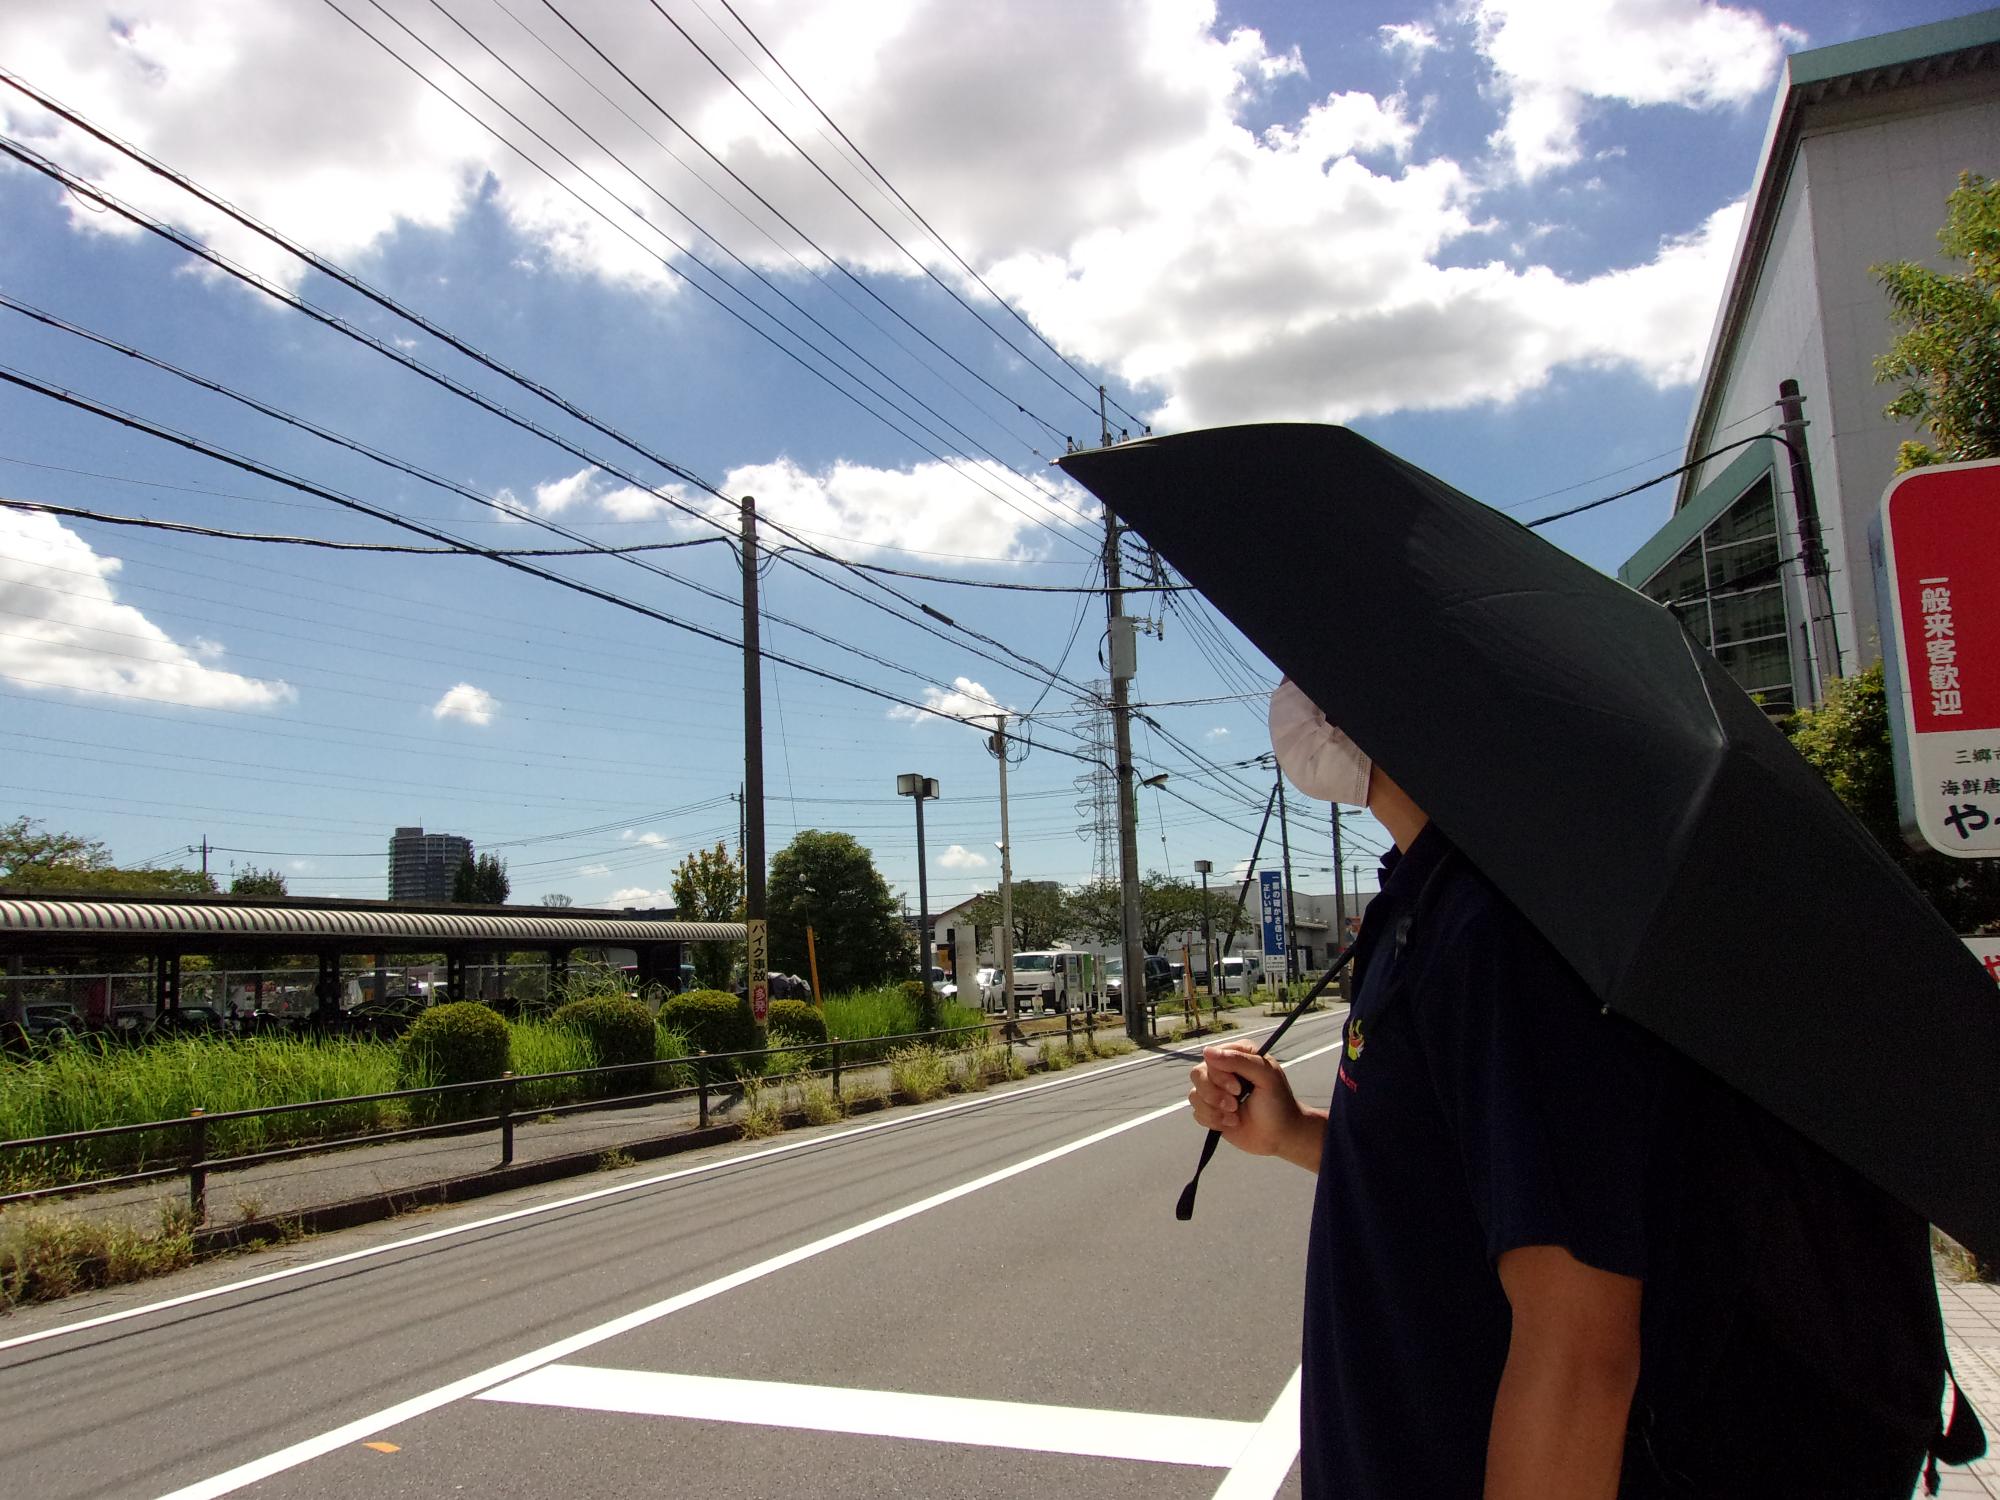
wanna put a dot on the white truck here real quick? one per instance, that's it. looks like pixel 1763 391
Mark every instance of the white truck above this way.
pixel 1056 979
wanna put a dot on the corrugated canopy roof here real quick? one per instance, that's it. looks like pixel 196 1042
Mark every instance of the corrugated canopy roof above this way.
pixel 40 919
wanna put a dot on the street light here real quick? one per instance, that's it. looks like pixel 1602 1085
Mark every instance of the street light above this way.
pixel 910 784
pixel 1201 868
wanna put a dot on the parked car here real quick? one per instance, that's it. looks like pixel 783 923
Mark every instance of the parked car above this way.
pixel 991 997
pixel 1055 979
pixel 48 1024
pixel 1160 979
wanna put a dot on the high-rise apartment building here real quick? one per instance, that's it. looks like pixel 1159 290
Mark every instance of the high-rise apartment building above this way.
pixel 422 866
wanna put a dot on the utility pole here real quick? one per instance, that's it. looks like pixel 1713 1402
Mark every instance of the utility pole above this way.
pixel 1339 892
pixel 1285 846
pixel 1123 651
pixel 1822 634
pixel 998 745
pixel 756 949
pixel 204 853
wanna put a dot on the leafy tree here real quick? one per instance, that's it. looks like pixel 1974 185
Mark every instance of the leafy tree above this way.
pixel 828 880
pixel 1167 905
pixel 708 887
pixel 1947 359
pixel 1847 742
pixel 256 882
pixel 1042 914
pixel 482 881
pixel 557 899
pixel 33 858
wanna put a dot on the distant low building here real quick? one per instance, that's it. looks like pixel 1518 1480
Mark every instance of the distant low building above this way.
pixel 423 866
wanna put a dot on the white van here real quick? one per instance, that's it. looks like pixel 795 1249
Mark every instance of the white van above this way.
pixel 1055 979
pixel 1242 973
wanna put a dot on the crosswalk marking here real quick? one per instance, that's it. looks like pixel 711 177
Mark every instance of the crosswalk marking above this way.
pixel 1149 1437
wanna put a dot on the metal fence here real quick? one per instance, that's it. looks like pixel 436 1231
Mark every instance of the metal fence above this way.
pixel 495 1104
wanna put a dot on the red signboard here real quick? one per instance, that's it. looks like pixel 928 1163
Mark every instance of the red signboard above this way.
pixel 1943 525
pixel 1941 550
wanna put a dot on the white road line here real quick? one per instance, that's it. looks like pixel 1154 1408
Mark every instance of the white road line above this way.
pixel 1263 1465
pixel 1146 1437
pixel 595 1195
pixel 471 1385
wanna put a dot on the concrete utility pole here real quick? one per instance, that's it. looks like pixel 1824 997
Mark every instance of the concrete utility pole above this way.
pixel 1822 635
pixel 998 745
pixel 1123 651
pixel 1339 896
pixel 753 770
pixel 1285 846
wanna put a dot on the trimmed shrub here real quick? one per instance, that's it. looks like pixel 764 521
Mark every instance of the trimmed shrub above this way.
pixel 619 1030
pixel 714 1021
pixel 797 1021
pixel 796 1018
pixel 461 1041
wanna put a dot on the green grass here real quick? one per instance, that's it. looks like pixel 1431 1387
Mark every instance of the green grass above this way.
pixel 44 1256
pixel 920 1072
pixel 86 1086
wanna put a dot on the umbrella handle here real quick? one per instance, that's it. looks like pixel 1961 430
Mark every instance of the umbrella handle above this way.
pixel 1184 1209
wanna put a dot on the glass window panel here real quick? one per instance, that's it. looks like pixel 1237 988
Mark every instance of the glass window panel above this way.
pixel 1743 564
pixel 1759 666
pixel 1694 619
pixel 1679 579
pixel 1742 617
pixel 1754 514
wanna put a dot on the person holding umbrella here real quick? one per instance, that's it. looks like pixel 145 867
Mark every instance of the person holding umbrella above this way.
pixel 1659 1067
pixel 1480 1230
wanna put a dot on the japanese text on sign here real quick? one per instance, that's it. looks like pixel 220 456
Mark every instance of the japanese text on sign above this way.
pixel 1941 648
pixel 757 959
pixel 1271 901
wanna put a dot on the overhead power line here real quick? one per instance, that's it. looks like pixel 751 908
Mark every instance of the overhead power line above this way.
pixel 910 208
pixel 1027 488
pixel 80 514
pixel 278 476
pixel 203 252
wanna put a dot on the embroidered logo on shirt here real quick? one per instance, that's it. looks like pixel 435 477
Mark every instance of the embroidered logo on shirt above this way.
pixel 1355 1040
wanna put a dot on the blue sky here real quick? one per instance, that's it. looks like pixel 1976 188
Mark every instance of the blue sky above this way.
pixel 1489 234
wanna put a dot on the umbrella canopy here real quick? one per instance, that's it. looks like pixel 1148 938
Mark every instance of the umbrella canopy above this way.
pixel 1610 777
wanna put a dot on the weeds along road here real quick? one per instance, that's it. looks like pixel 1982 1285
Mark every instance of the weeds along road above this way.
pixel 987 1297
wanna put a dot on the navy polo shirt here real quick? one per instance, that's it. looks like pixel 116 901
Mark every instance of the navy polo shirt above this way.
pixel 1484 1102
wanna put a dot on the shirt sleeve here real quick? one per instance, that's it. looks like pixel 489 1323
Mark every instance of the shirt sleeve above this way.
pixel 1553 1103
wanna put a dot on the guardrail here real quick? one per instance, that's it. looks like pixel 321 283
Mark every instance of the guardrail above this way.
pixel 193 1161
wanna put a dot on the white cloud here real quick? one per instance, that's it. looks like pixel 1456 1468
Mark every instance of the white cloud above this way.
pixel 978 508
pixel 1552 60
pixel 966 700
pixel 62 627
pixel 472 704
pixel 1093 161
pixel 649 838
pixel 558 495
pixel 1220 732
pixel 958 857
pixel 1409 39
pixel 637 895
pixel 593 869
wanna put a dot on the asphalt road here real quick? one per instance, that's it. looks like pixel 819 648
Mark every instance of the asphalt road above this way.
pixel 987 1297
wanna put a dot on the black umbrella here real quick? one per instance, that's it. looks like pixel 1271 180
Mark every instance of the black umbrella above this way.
pixel 1608 775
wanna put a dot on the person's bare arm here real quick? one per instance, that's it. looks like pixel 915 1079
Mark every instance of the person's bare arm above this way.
pixel 1572 1364
pixel 1271 1122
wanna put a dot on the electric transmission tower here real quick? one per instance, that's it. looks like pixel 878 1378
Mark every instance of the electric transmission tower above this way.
pixel 1097 788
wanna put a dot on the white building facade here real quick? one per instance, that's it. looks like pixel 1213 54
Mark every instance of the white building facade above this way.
pixel 1867 140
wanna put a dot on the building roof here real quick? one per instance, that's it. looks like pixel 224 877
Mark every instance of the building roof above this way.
pixel 1844 71
pixel 43 921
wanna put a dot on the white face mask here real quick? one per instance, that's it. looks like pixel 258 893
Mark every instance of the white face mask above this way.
pixel 1314 755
